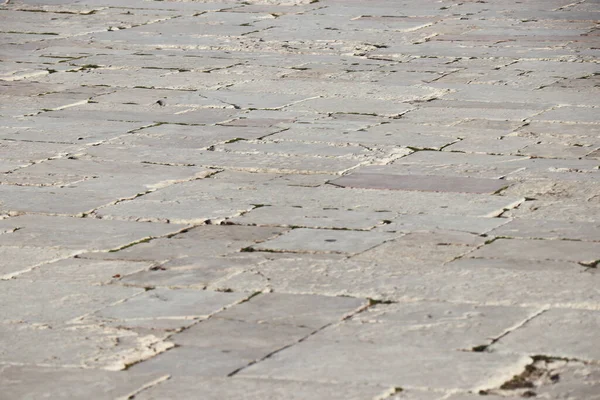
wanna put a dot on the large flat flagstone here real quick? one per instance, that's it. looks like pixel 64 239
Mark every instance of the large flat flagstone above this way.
pixel 268 389
pixel 556 333
pixel 427 183
pixel 33 382
pixel 325 241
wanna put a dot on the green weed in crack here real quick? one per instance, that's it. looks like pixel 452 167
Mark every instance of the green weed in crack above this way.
pixel 374 302
pixel 145 240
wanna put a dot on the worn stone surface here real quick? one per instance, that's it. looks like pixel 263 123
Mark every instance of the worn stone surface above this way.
pixel 339 360
pixel 324 241
pixel 425 183
pixel 31 382
pixel 271 389
pixel 565 332
pixel 280 199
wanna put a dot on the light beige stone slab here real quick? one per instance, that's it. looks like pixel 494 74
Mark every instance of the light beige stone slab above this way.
pixel 324 241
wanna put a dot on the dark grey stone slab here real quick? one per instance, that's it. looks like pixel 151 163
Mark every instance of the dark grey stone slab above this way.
pixel 425 183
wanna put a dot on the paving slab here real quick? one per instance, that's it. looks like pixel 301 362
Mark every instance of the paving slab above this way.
pixel 33 382
pixel 331 199
pixel 215 388
pixel 344 363
pixel 78 346
pixel 425 183
pixel 324 241
pixel 556 332
pixel 528 249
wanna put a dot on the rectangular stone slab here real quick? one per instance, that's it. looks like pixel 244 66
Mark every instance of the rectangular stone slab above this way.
pixel 424 183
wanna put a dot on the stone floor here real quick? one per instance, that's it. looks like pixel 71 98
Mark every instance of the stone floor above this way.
pixel 296 199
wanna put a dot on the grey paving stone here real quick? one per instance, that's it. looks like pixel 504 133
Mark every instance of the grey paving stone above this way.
pixel 77 346
pixel 435 247
pixel 91 173
pixel 339 360
pixel 167 303
pixel 46 302
pixel 18 259
pixel 93 234
pixel 82 271
pixel 326 241
pixel 313 218
pixel 203 241
pixel 175 211
pixel 562 206
pixel 493 145
pixel 189 272
pixel 269 389
pixel 65 201
pixel 146 114
pixel 555 150
pixel 472 283
pixel 548 229
pixel 352 105
pixel 526 249
pixel 30 152
pixel 42 128
pixel 427 183
pixel 193 362
pixel 247 340
pixel 556 333
pixel 396 133
pixel 311 311
pixel 33 382
pixel 414 223
pixel 208 158
pixel 462 325
pixel 574 114
pixel 295 148
pixel 517 265
pixel 240 113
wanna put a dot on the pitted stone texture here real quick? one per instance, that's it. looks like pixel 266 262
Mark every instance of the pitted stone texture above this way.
pixel 324 241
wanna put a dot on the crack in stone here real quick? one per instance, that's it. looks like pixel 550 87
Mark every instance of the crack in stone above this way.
pixel 508 331
pixel 271 354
